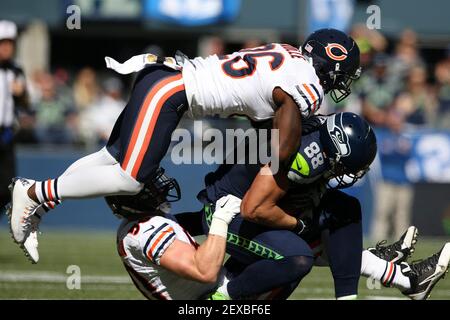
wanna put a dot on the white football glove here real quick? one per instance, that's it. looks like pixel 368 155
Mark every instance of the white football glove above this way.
pixel 227 208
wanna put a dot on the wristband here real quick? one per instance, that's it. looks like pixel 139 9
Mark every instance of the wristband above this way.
pixel 218 227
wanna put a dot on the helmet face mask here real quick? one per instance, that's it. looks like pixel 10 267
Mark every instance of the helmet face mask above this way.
pixel 341 178
pixel 342 83
pixel 167 189
pixel 152 200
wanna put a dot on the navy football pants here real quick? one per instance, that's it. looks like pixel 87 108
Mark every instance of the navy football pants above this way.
pixel 142 133
pixel 248 242
pixel 271 260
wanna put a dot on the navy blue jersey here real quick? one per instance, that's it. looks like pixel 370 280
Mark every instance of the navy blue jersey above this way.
pixel 308 167
pixel 309 163
pixel 230 179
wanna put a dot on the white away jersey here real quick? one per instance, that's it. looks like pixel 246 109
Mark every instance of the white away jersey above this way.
pixel 141 245
pixel 243 82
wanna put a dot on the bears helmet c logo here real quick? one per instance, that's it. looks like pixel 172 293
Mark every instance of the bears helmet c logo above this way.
pixel 335 46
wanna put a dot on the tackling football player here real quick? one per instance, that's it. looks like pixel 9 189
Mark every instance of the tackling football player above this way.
pixel 275 81
pixel 165 262
pixel 161 257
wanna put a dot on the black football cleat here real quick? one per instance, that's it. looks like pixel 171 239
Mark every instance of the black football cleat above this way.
pixel 399 251
pixel 425 274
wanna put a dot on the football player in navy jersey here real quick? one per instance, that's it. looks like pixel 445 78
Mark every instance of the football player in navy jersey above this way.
pixel 274 242
pixel 268 263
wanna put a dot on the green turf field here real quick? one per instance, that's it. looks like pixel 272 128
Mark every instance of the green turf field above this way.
pixel 103 277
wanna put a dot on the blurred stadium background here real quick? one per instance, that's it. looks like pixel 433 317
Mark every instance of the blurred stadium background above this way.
pixel 404 93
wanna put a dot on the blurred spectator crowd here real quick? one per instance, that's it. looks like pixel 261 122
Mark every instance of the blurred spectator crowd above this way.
pixel 78 111
pixel 399 89
pixel 400 92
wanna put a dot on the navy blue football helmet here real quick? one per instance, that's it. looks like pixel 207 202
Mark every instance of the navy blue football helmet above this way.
pixel 159 190
pixel 335 56
pixel 350 146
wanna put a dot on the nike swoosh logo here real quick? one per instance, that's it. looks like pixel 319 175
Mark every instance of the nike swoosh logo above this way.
pixel 299 166
pixel 151 228
pixel 430 278
pixel 224 203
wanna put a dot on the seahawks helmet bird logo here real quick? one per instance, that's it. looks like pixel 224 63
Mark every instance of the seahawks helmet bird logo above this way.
pixel 339 137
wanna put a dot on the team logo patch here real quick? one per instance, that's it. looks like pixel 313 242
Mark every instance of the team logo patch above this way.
pixel 336 51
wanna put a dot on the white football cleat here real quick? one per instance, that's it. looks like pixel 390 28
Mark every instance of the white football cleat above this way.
pixel 22 208
pixel 30 247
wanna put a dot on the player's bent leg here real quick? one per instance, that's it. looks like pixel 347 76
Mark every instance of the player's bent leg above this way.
pixel 234 268
pixel 30 244
pixel 142 137
pixel 89 182
pixel 153 112
pixel 273 258
pixel 267 274
pixel 344 243
pixel 99 158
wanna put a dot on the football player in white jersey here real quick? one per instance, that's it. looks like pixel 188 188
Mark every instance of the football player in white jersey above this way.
pixel 162 259
pixel 276 82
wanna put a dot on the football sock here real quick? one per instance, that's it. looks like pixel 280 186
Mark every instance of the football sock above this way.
pixel 388 273
pixel 47 206
pixel 344 247
pixel 47 192
pixel 223 288
pixel 350 297
pixel 266 274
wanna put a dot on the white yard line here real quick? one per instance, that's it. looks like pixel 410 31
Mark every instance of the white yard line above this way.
pixel 55 286
pixel 384 298
pixel 44 276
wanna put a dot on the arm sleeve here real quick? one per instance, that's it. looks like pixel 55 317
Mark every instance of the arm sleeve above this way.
pixel 307 96
pixel 156 240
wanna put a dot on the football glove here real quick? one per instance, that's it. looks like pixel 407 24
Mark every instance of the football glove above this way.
pixel 227 208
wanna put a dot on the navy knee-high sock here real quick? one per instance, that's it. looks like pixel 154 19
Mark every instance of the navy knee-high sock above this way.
pixel 344 249
pixel 265 275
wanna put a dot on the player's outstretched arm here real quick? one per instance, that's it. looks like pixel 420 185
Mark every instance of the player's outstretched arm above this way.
pixel 289 123
pixel 200 265
pixel 260 202
pixel 203 264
